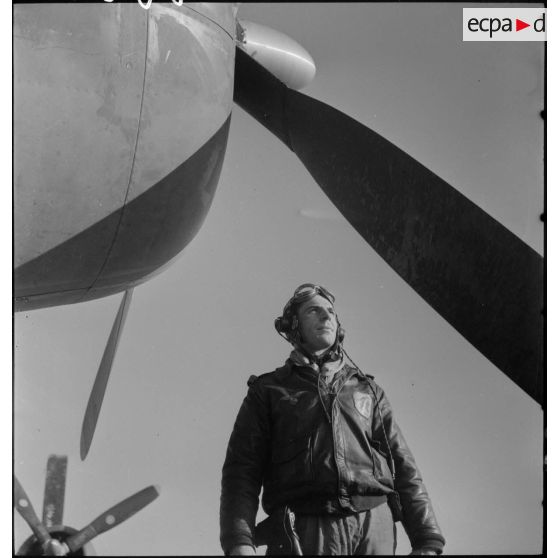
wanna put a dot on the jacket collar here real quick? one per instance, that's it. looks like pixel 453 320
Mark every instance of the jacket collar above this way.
pixel 306 367
pixel 330 366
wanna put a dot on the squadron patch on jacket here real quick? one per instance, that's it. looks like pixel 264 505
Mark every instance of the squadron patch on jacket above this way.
pixel 363 403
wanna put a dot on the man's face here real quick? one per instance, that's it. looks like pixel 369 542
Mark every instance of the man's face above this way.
pixel 318 324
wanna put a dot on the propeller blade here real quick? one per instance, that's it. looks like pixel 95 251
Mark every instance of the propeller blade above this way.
pixel 486 282
pixel 24 507
pixel 55 488
pixel 113 517
pixel 100 385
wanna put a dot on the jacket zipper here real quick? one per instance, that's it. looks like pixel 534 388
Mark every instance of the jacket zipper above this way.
pixel 333 423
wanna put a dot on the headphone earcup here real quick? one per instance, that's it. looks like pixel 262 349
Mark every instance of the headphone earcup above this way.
pixel 340 334
pixel 282 325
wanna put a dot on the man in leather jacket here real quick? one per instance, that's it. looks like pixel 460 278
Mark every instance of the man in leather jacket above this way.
pixel 320 437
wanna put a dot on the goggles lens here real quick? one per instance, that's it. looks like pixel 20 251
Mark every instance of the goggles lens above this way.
pixel 308 290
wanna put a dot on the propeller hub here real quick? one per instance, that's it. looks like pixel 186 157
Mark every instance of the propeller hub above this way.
pixel 32 546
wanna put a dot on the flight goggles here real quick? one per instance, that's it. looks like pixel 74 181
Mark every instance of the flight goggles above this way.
pixel 307 291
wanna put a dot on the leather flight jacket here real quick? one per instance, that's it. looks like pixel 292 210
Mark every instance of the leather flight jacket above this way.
pixel 319 453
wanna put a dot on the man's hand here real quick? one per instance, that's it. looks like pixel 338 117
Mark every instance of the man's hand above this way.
pixel 242 550
pixel 423 552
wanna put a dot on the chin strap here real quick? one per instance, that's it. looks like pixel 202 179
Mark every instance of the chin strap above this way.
pixel 334 353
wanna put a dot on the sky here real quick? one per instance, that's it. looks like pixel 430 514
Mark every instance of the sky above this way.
pixel 196 332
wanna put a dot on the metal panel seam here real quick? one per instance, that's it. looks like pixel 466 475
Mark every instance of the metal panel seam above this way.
pixel 132 166
pixel 212 21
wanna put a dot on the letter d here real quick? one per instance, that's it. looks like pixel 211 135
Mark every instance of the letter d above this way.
pixel 541 28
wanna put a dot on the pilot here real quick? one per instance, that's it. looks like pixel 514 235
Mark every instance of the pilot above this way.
pixel 320 437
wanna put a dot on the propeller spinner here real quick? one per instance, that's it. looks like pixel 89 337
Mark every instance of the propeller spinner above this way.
pixel 50 539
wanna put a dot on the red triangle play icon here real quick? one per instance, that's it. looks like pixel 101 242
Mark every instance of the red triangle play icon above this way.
pixel 519 25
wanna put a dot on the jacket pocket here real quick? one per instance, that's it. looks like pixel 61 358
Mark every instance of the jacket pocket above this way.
pixel 380 462
pixel 377 447
pixel 291 463
pixel 287 452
